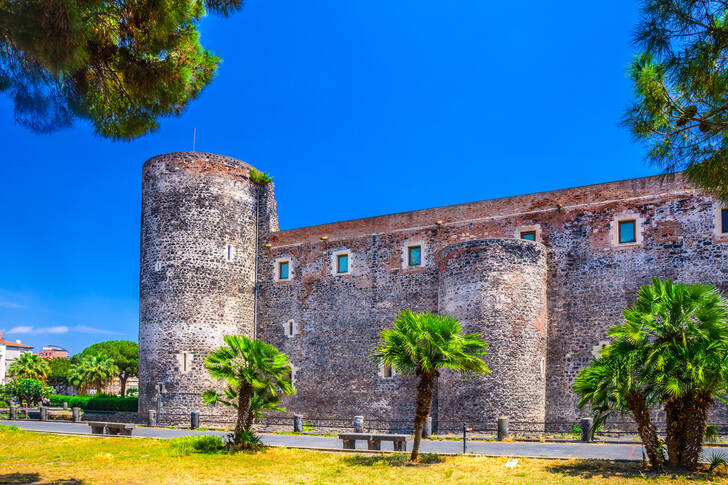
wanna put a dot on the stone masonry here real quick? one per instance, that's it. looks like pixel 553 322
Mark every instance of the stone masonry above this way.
pixel 210 239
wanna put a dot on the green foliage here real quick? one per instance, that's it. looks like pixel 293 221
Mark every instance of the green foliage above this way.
pixel 59 369
pixel 258 177
pixel 717 460
pixel 393 459
pixel 681 88
pixel 244 440
pixel 424 342
pixel 93 372
pixel 711 432
pixel 201 444
pixel 93 403
pixel 255 374
pixel 123 353
pixel 29 366
pixel 10 428
pixel 122 65
pixel 26 390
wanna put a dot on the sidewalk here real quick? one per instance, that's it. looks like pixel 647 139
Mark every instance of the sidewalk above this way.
pixel 632 452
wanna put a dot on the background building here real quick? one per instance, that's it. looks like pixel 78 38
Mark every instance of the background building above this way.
pixel 53 351
pixel 9 351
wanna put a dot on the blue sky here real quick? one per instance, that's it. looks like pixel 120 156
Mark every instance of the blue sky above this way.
pixel 357 108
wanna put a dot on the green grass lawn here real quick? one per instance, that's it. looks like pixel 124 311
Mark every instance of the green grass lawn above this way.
pixel 27 457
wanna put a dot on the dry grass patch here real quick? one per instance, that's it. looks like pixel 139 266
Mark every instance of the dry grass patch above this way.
pixel 27 457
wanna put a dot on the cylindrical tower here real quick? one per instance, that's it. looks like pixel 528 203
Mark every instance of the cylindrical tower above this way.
pixel 496 287
pixel 198 262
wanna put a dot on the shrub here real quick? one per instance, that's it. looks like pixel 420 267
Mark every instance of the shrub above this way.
pixel 26 390
pixel 258 177
pixel 201 444
pixel 92 403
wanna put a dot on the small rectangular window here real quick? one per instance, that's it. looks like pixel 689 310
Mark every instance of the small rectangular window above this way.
pixel 724 221
pixel 626 232
pixel 283 270
pixel 342 263
pixel 528 235
pixel 414 255
pixel 387 372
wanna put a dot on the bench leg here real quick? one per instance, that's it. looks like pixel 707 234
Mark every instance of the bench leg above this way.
pixel 126 432
pixel 112 431
pixel 400 446
pixel 97 429
pixel 374 444
pixel 349 444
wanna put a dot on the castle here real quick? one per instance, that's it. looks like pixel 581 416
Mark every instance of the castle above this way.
pixel 541 276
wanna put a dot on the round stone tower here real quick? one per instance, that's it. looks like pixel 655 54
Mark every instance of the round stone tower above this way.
pixel 496 287
pixel 198 259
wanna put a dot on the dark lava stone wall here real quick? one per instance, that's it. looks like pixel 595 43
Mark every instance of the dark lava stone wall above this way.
pixel 497 288
pixel 193 206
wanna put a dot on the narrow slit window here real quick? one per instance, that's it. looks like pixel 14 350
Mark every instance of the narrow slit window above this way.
pixel 342 263
pixel 528 235
pixel 414 255
pixel 724 221
pixel 387 372
pixel 229 252
pixel 283 270
pixel 290 327
pixel 627 232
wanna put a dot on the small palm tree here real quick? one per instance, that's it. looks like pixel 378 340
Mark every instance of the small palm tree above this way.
pixel 423 343
pixel 255 374
pixel 93 372
pixel 614 384
pixel 29 366
pixel 681 331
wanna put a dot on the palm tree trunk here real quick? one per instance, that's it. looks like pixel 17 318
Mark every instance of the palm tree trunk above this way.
pixel 695 417
pixel 637 403
pixel 422 408
pixel 244 394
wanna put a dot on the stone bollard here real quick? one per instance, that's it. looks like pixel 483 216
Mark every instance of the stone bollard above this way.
pixel 151 418
pixel 194 420
pixel 76 415
pixel 13 413
pixel 358 424
pixel 65 405
pixel 502 428
pixel 427 428
pixel 298 423
pixel 43 413
pixel 586 426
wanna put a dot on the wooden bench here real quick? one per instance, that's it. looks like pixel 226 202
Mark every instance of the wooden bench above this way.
pixel 374 441
pixel 98 427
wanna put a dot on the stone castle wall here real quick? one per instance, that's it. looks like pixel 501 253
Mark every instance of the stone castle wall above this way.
pixel 552 299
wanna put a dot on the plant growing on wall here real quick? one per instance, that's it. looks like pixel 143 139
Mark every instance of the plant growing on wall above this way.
pixel 422 343
pixel 675 339
pixel 258 177
pixel 255 374
pixel 29 366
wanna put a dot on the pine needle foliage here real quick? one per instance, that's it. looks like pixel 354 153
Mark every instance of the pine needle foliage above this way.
pixel 121 64
pixel 680 81
pixel 420 344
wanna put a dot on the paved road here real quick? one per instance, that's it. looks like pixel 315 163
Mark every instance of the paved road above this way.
pixel 493 448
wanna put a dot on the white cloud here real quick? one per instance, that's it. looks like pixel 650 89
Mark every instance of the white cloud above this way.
pixel 58 329
pixel 10 304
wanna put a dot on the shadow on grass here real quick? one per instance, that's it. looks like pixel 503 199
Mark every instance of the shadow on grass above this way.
pixel 30 478
pixel 588 469
pixel 395 459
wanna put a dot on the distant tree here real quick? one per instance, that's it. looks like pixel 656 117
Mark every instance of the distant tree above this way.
pixel 423 343
pixel 58 371
pixel 26 390
pixel 681 88
pixel 93 372
pixel 124 354
pixel 255 374
pixel 120 64
pixel 29 366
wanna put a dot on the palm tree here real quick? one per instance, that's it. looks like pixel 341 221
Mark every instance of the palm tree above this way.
pixel 422 343
pixel 613 384
pixel 93 372
pixel 682 333
pixel 254 372
pixel 29 366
